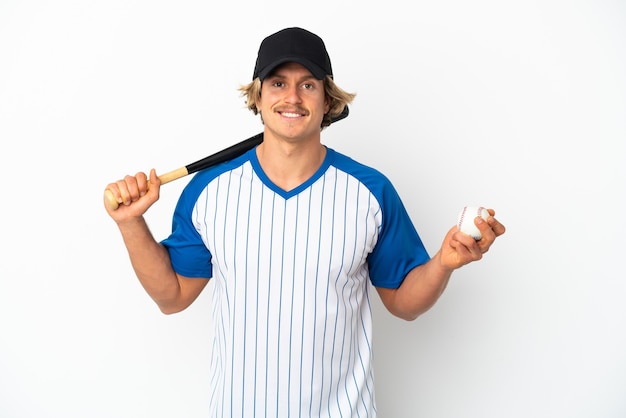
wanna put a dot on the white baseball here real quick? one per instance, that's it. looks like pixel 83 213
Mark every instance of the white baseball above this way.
pixel 466 224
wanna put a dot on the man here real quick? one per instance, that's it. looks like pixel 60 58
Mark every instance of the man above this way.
pixel 292 234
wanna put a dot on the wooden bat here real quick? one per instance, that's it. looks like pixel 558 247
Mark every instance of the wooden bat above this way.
pixel 217 158
pixel 213 159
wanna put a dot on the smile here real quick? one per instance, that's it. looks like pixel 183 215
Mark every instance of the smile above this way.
pixel 290 114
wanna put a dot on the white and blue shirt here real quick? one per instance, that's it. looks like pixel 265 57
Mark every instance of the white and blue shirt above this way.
pixel 291 272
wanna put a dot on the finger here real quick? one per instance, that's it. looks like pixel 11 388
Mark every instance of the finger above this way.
pixel 112 196
pixel 466 246
pixel 154 179
pixel 486 232
pixel 123 192
pixel 129 189
pixel 495 225
pixel 137 186
pixel 142 184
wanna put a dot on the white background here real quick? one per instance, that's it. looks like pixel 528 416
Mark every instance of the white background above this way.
pixel 520 106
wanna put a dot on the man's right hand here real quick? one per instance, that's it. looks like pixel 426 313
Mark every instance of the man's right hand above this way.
pixel 133 196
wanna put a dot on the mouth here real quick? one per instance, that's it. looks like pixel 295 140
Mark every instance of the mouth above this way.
pixel 291 113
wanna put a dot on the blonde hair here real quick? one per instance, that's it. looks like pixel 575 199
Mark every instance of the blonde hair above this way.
pixel 338 98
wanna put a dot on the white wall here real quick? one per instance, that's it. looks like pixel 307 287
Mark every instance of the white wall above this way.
pixel 520 106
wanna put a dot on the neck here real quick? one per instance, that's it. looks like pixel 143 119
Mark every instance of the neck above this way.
pixel 288 164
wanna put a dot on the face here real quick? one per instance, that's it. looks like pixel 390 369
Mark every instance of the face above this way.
pixel 293 103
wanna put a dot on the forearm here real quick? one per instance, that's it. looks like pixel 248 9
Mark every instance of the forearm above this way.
pixel 151 262
pixel 419 291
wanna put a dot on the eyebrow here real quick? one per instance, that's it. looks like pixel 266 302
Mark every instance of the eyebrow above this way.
pixel 277 74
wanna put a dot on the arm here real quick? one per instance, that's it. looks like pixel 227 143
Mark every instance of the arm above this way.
pixel 423 285
pixel 150 260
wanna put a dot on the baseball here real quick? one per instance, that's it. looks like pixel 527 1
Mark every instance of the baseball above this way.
pixel 466 224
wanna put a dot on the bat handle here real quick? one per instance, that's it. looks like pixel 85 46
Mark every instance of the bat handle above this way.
pixel 111 202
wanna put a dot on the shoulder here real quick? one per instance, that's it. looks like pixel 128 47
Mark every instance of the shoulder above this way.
pixel 377 182
pixel 203 178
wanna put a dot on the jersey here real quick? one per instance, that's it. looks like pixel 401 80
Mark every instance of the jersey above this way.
pixel 292 273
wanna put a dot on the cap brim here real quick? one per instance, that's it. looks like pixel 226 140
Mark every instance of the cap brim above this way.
pixel 317 72
pixel 344 114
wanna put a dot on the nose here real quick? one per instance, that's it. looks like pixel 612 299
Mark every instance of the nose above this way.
pixel 292 95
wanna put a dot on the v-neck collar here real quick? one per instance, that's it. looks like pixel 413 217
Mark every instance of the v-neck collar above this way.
pixel 254 160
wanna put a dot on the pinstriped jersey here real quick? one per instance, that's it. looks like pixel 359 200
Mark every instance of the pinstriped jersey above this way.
pixel 291 273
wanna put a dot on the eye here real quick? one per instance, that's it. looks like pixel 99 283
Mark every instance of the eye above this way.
pixel 308 86
pixel 278 84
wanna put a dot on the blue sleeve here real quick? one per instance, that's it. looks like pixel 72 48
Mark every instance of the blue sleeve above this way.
pixel 399 248
pixel 188 254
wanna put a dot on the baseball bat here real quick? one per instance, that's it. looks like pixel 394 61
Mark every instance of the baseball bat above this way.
pixel 206 162
pixel 213 159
